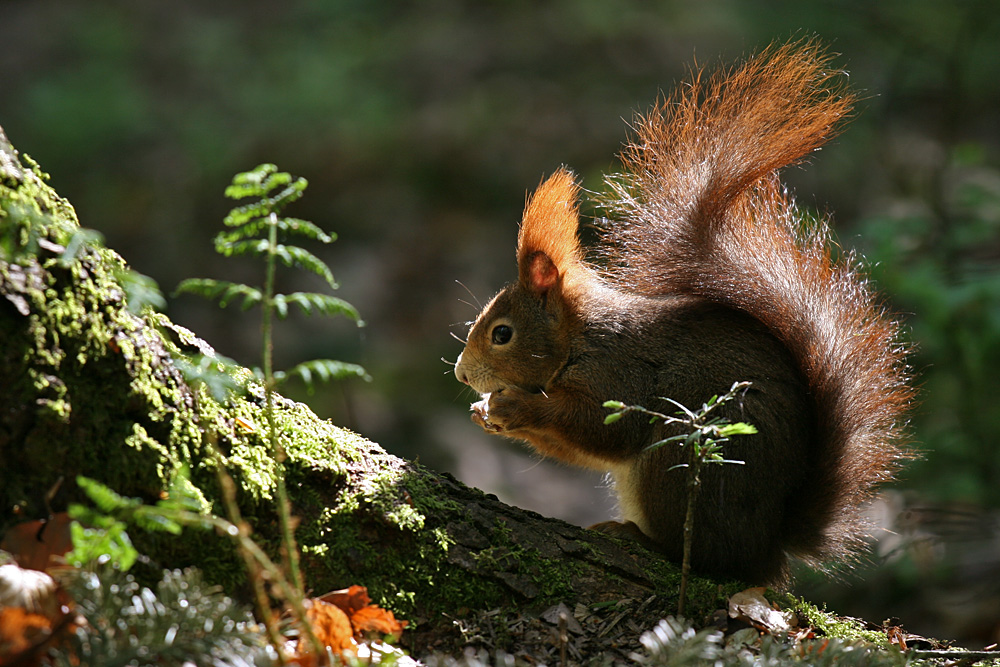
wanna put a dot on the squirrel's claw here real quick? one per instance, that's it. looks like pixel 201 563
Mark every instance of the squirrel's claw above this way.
pixel 481 415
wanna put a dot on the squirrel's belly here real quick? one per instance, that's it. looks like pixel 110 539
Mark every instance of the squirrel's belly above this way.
pixel 628 496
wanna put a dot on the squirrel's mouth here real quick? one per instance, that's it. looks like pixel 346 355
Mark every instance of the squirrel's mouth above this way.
pixel 484 386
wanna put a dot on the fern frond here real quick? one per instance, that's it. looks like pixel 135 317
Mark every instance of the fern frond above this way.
pixel 311 302
pixel 106 499
pixel 223 290
pixel 324 370
pixel 141 291
pixel 213 373
pixel 264 206
pixel 256 247
pixel 261 181
pixel 241 217
pixel 307 229
pixel 256 226
pixel 78 244
pixel 291 255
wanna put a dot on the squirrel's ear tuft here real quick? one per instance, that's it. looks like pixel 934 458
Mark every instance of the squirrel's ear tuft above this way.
pixel 547 244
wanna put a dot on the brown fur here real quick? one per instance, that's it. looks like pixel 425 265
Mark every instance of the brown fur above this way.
pixel 710 277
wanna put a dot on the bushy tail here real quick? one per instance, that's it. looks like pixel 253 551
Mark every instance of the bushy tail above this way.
pixel 701 188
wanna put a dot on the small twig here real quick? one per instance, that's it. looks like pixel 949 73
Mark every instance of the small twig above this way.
pixel 703 437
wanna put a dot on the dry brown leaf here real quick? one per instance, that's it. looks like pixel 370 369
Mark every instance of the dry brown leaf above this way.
pixel 752 607
pixel 897 636
pixel 37 545
pixel 339 619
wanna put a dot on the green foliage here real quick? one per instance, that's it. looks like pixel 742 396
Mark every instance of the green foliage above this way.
pixel 214 373
pixel 324 369
pixel 938 261
pixel 222 290
pixel 703 436
pixel 78 242
pixel 99 534
pixel 105 543
pixel 311 302
pixel 260 217
pixel 141 291
pixel 183 622
pixel 256 228
pixel 22 235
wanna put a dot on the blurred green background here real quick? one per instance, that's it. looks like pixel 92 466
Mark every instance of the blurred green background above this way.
pixel 420 126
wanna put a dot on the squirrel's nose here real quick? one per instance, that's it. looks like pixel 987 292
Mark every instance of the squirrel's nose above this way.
pixel 460 371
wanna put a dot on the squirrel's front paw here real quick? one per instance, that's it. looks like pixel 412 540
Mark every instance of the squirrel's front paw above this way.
pixel 481 415
pixel 498 410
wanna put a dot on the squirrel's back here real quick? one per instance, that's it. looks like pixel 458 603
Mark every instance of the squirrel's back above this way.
pixel 700 211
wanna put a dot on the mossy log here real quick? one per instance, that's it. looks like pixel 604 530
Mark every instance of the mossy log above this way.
pixel 89 387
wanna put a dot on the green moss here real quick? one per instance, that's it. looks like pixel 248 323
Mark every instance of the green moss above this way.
pixel 833 626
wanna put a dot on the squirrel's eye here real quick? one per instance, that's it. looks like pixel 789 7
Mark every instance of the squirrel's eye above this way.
pixel 502 334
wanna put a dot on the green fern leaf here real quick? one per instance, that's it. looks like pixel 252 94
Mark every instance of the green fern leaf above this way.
pixel 141 291
pixel 257 182
pixel 305 228
pixel 223 290
pixel 256 224
pixel 153 521
pixel 256 247
pixel 107 500
pixel 94 545
pixel 291 255
pixel 280 305
pixel 290 189
pixel 311 302
pixel 78 244
pixel 324 370
pixel 243 217
pixel 739 428
pixel 211 373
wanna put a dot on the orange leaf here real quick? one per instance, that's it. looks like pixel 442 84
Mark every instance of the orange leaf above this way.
pixel 364 616
pixel 20 629
pixel 330 625
pixel 376 619
pixel 349 599
pixel 25 635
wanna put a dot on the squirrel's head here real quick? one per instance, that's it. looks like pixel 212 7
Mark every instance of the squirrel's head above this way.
pixel 522 336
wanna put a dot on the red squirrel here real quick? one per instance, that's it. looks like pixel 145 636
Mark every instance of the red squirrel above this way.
pixel 704 275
